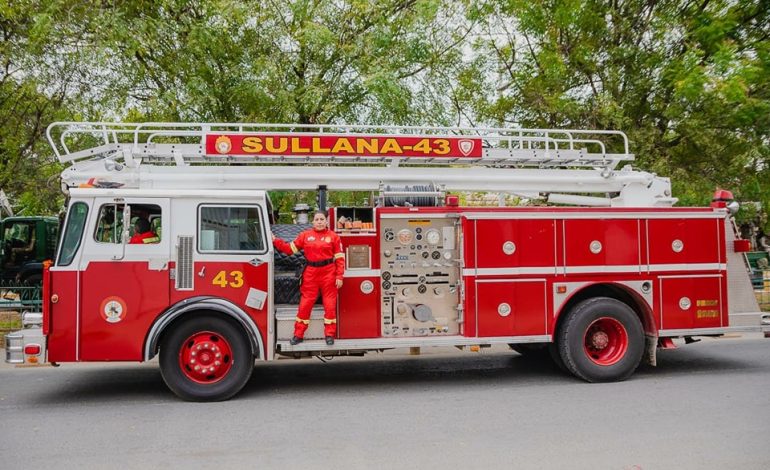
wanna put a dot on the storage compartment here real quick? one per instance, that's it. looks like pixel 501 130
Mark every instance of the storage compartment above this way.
pixel 691 302
pixel 353 219
pixel 515 307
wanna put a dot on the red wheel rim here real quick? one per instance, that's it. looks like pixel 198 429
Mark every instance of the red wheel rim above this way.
pixel 605 341
pixel 205 357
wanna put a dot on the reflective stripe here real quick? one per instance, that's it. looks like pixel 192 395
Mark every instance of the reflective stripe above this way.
pixel 293 248
pixel 328 321
pixel 339 255
pixel 299 320
pixel 151 240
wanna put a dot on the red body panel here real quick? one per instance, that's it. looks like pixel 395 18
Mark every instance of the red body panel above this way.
pixel 691 302
pixel 358 313
pixel 62 341
pixel 619 242
pixel 699 237
pixel 144 295
pixel 526 299
pixel 534 242
pixel 213 283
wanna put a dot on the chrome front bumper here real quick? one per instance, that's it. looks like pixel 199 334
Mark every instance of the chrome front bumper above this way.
pixel 31 335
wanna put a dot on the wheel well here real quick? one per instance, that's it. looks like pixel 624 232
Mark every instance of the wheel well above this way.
pixel 613 291
pixel 202 307
pixel 189 315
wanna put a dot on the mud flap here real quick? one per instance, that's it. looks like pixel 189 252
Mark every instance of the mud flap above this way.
pixel 650 350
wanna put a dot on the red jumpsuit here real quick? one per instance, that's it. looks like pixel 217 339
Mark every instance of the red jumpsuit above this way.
pixel 146 237
pixel 320 247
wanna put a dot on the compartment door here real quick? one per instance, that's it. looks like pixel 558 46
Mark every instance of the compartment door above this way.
pixel 691 302
pixel 514 307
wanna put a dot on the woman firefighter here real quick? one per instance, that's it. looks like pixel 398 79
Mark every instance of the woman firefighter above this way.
pixel 325 266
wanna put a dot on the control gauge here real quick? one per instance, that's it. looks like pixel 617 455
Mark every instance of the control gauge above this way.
pixel 433 237
pixel 405 236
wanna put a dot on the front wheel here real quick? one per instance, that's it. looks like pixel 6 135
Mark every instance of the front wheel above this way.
pixel 601 340
pixel 206 359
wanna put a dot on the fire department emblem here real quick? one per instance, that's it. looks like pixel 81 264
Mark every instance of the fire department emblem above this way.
pixel 223 144
pixel 113 309
pixel 466 146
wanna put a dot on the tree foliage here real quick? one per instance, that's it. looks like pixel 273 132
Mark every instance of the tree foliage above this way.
pixel 687 80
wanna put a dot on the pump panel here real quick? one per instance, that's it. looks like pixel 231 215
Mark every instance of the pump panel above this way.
pixel 420 276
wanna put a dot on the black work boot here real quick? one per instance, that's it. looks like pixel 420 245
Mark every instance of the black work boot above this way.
pixel 295 340
pixel 329 340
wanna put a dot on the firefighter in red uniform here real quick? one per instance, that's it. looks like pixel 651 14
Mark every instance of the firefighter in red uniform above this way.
pixel 143 233
pixel 325 266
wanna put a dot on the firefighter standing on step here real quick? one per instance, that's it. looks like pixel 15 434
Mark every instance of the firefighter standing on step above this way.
pixel 325 266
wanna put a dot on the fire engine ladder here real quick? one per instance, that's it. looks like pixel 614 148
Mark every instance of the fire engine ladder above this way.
pixel 570 166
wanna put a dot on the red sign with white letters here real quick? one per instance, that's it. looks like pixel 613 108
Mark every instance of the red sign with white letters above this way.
pixel 342 146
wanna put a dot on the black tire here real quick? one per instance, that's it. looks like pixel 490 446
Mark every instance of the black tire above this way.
pixel 553 352
pixel 34 280
pixel 177 341
pixel 611 350
pixel 289 232
pixel 286 289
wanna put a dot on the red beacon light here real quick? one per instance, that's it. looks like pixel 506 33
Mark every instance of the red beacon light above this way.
pixel 724 199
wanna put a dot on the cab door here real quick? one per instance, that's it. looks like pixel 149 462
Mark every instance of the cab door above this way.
pixel 124 286
pixel 229 258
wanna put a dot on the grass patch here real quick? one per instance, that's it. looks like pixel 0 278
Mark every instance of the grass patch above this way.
pixel 10 321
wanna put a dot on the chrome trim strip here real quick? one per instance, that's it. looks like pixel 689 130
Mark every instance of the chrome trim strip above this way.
pixel 361 273
pixel 421 215
pixel 412 342
pixel 712 331
pixel 599 269
pixel 593 215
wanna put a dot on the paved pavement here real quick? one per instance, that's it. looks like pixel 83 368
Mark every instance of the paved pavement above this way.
pixel 706 405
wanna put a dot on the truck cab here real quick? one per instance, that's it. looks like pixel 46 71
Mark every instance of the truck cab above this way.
pixel 25 242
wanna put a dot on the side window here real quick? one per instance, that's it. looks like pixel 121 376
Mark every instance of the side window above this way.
pixel 109 223
pixel 19 233
pixel 231 229
pixel 144 229
pixel 73 233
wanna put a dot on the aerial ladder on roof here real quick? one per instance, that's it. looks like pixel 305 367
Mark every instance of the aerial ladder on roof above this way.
pixel 582 167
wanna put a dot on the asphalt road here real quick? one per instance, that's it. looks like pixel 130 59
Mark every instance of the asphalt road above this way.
pixel 706 405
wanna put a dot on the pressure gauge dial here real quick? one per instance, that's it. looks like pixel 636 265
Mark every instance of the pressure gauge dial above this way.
pixel 405 236
pixel 433 237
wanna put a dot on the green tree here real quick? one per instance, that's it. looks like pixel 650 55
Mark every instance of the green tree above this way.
pixel 687 80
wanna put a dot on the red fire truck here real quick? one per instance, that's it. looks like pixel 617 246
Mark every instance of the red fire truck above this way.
pixel 601 277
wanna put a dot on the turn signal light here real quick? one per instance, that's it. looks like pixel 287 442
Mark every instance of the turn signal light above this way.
pixel 32 349
pixel 561 289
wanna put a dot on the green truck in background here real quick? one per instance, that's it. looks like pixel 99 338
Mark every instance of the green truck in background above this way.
pixel 25 242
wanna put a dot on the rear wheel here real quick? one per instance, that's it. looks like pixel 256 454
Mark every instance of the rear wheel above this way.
pixel 601 340
pixel 206 359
